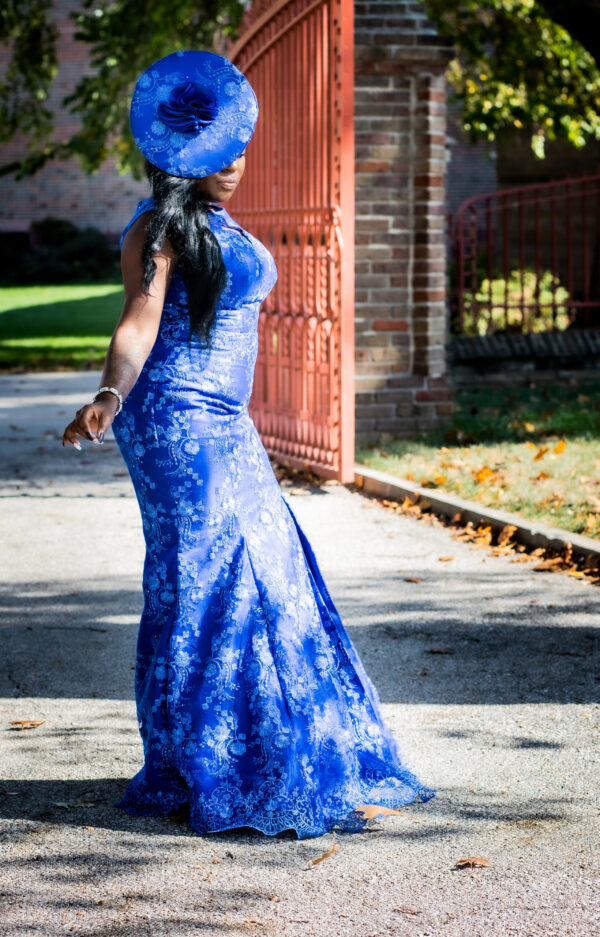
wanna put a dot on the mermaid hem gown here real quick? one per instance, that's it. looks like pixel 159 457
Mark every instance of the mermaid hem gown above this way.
pixel 252 703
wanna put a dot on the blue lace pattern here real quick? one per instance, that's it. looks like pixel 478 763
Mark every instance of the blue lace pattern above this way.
pixel 253 705
pixel 210 109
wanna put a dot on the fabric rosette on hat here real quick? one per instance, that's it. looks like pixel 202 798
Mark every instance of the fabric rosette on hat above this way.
pixel 193 113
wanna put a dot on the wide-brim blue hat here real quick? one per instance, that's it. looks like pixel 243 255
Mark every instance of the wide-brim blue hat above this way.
pixel 193 113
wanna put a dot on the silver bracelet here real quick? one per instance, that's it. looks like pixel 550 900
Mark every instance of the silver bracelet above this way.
pixel 112 390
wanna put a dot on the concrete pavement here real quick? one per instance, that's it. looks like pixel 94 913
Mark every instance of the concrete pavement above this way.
pixel 488 673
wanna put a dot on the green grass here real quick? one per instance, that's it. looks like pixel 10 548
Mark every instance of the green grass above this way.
pixel 531 450
pixel 57 327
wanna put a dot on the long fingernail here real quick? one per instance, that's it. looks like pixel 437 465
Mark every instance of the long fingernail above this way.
pixel 77 445
pixel 89 435
pixel 101 436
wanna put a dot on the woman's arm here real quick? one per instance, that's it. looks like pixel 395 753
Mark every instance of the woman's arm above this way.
pixel 133 337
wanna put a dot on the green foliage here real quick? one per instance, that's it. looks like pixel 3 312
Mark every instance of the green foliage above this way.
pixel 27 27
pixel 524 303
pixel 124 37
pixel 526 65
pixel 517 68
pixel 60 253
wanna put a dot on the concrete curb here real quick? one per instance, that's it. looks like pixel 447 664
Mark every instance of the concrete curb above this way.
pixel 532 534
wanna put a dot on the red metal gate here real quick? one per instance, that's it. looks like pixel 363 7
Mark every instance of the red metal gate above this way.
pixel 526 258
pixel 297 196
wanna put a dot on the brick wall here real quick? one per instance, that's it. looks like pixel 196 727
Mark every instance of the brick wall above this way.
pixel 400 131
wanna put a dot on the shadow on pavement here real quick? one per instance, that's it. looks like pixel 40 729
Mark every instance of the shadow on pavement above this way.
pixel 71 642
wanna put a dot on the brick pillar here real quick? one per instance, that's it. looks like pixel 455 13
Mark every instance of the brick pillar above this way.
pixel 400 134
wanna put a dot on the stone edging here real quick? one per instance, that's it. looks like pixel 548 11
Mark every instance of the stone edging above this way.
pixel 531 533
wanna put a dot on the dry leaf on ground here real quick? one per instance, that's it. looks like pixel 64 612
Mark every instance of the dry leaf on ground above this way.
pixel 472 862
pixel 371 811
pixel 483 474
pixel 27 723
pixel 326 855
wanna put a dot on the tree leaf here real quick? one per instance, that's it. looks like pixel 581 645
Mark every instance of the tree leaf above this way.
pixel 27 723
pixel 483 474
pixel 326 855
pixel 370 811
pixel 471 862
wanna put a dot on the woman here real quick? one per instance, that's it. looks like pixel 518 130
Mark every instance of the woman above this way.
pixel 253 705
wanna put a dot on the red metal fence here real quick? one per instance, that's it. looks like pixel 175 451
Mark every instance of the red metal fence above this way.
pixel 527 259
pixel 297 196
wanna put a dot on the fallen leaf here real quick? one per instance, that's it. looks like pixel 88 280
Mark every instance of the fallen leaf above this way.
pixel 549 563
pixel 70 806
pixel 483 474
pixel 471 862
pixel 412 579
pixel 445 559
pixel 540 453
pixel 560 446
pixel 27 723
pixel 506 533
pixel 326 855
pixel 370 811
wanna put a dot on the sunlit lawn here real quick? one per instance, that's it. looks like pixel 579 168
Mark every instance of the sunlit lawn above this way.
pixel 57 327
pixel 531 450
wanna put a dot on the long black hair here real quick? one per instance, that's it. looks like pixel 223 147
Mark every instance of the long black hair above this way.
pixel 181 216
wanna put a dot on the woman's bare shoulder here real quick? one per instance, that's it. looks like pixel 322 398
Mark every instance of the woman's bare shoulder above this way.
pixel 135 238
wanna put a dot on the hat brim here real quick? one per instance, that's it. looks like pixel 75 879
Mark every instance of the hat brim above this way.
pixel 215 146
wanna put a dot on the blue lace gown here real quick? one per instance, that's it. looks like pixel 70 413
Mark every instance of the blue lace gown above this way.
pixel 252 702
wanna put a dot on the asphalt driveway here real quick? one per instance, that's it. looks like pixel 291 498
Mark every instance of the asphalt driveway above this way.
pixel 488 672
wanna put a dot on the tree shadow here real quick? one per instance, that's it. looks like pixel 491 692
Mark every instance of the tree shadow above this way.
pixel 73 642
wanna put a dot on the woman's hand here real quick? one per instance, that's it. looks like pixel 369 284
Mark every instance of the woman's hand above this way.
pixel 91 421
